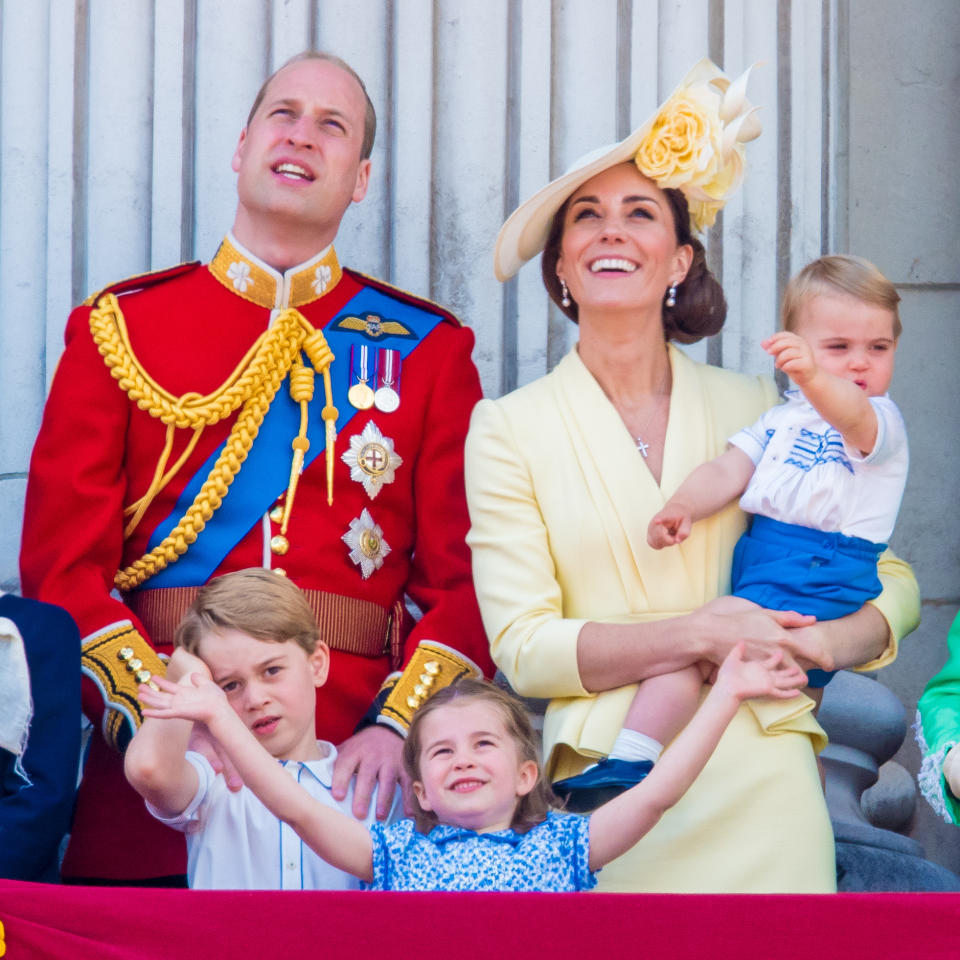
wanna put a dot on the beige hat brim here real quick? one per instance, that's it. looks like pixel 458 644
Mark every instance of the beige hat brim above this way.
pixel 525 233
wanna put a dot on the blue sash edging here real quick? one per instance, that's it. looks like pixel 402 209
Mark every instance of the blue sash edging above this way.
pixel 266 471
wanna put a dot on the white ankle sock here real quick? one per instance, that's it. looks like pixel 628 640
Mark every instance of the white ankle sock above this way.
pixel 631 745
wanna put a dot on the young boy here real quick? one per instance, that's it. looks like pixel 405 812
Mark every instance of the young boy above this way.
pixel 823 474
pixel 252 633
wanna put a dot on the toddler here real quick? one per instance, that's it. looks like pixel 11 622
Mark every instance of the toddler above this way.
pixel 483 820
pixel 252 636
pixel 823 475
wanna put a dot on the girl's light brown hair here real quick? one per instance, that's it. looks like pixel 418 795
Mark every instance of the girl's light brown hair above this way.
pixel 531 808
pixel 257 602
pixel 843 274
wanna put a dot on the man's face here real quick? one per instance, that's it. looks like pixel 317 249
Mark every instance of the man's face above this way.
pixel 299 161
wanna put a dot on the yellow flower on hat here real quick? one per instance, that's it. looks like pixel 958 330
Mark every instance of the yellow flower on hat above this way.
pixel 683 143
pixel 695 143
pixel 703 213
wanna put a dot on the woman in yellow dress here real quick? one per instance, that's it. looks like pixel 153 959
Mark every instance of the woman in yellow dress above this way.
pixel 563 476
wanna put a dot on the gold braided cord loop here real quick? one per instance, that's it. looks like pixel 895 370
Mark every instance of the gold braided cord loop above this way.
pixel 110 334
pixel 253 384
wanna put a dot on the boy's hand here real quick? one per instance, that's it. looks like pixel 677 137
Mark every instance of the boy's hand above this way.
pixel 793 355
pixel 773 676
pixel 670 526
pixel 181 664
pixel 193 698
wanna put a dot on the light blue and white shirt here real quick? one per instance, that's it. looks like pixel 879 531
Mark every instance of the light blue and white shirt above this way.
pixel 807 475
pixel 235 843
pixel 552 856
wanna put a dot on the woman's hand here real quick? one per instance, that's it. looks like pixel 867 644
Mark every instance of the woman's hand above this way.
pixel 951 770
pixel 726 621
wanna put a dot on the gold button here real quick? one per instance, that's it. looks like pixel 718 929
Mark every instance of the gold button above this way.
pixel 426 679
pixel 279 544
pixel 134 665
pixel 125 653
pixel 142 676
pixel 276 514
pixel 279 571
pixel 413 702
pixel 432 667
pixel 420 690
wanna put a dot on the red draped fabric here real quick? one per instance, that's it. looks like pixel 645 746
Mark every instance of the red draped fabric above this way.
pixel 118 923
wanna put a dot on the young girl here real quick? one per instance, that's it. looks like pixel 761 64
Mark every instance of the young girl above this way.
pixel 823 474
pixel 483 820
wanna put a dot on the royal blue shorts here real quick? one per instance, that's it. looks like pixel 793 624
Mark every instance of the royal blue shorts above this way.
pixel 783 566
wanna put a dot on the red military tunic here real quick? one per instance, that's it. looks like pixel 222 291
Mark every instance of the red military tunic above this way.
pixel 98 451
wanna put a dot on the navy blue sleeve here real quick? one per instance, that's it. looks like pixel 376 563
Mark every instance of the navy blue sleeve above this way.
pixel 34 818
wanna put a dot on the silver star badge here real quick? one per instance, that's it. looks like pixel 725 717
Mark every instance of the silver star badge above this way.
pixel 371 459
pixel 366 543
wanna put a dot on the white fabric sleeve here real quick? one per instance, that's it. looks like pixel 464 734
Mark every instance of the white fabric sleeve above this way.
pixel 191 813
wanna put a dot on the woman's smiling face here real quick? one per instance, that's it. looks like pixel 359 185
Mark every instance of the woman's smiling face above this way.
pixel 619 246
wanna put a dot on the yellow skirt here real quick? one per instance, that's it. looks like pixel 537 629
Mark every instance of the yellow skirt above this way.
pixel 755 821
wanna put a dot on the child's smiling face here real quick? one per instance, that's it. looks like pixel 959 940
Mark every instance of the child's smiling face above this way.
pixel 850 338
pixel 471 772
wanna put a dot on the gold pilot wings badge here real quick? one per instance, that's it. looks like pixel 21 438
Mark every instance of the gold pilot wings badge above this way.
pixel 374 327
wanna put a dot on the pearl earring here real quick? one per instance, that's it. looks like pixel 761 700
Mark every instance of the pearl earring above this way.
pixel 565 293
pixel 671 300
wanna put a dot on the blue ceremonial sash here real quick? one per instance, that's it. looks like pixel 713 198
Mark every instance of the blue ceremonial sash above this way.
pixel 266 471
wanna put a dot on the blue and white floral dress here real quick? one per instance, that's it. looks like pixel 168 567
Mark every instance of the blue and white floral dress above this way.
pixel 551 856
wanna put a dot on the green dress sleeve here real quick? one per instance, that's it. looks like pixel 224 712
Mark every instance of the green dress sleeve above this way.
pixel 938 729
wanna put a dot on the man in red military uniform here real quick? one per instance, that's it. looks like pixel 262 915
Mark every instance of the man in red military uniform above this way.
pixel 270 408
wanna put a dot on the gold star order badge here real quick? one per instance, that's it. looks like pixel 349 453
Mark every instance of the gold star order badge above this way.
pixel 372 459
pixel 366 543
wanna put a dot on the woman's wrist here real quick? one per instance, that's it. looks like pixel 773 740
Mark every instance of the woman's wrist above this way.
pixel 697 636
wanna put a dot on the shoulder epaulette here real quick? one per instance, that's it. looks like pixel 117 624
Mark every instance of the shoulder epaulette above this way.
pixel 141 281
pixel 422 302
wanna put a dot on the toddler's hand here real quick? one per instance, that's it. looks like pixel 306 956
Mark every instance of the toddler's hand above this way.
pixel 793 355
pixel 773 676
pixel 193 698
pixel 670 526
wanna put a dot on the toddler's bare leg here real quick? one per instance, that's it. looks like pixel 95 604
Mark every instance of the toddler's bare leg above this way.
pixel 664 705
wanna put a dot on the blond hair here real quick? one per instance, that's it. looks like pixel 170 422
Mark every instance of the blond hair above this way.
pixel 840 273
pixel 257 602
pixel 370 115
pixel 531 808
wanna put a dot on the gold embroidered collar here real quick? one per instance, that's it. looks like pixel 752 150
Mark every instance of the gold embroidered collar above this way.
pixel 249 277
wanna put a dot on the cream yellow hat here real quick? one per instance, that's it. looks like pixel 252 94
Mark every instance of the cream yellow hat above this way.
pixel 694 143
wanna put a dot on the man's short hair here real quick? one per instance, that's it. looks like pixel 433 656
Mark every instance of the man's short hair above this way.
pixel 258 602
pixel 370 116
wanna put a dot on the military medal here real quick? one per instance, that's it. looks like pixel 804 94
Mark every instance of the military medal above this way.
pixel 366 543
pixel 387 397
pixel 371 459
pixel 360 393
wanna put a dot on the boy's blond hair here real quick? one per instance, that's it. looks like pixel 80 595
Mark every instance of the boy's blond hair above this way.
pixel 257 602
pixel 840 273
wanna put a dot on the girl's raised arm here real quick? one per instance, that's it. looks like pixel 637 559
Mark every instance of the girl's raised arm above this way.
pixel 618 825
pixel 341 841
